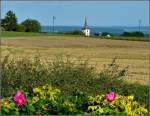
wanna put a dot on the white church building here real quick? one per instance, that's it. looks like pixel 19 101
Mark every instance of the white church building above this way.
pixel 85 28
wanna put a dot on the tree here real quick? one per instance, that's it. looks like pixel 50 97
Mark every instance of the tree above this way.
pixel 10 21
pixel 20 28
pixel 3 22
pixel 31 25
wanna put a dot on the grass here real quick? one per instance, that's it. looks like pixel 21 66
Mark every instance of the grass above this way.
pixel 29 34
pixel 99 51
pixel 146 39
pixel 18 34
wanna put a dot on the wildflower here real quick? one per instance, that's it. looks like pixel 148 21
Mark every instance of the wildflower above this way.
pixel 110 96
pixel 19 98
pixel 130 97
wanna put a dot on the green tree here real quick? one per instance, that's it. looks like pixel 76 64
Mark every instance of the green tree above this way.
pixel 31 25
pixel 20 28
pixel 10 21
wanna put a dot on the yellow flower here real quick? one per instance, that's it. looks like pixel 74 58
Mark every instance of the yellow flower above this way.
pixel 5 103
pixel 130 97
pixel 35 99
pixel 36 90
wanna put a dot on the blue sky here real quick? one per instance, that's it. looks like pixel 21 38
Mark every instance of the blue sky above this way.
pixel 98 13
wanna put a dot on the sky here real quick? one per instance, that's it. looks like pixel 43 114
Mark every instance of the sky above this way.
pixel 72 13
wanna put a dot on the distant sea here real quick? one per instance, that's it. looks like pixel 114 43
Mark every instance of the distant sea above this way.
pixel 115 30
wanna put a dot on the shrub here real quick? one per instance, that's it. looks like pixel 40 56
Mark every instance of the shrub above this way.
pixel 76 32
pixel 133 34
pixel 21 74
pixel 68 76
pixel 27 73
pixel 20 28
pixel 121 105
pixel 45 100
pixel 106 33
pixel 111 78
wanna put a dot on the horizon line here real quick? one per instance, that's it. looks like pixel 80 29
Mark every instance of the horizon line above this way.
pixel 96 26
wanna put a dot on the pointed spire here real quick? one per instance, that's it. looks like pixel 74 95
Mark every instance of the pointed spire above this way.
pixel 85 24
pixel 85 21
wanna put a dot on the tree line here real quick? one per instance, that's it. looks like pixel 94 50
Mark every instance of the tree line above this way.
pixel 10 23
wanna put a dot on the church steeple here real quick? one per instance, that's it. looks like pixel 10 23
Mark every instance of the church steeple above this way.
pixel 85 24
pixel 86 29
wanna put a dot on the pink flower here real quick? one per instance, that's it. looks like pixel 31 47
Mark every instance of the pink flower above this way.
pixel 19 98
pixel 110 96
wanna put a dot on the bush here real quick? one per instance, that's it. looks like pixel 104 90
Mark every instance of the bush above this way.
pixel 68 76
pixel 27 73
pixel 111 78
pixel 121 105
pixel 76 32
pixel 20 28
pixel 45 100
pixel 133 34
pixel 106 33
pixel 31 25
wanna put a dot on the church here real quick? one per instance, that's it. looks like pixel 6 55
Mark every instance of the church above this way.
pixel 85 28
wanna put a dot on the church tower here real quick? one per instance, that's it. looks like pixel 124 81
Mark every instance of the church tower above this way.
pixel 86 29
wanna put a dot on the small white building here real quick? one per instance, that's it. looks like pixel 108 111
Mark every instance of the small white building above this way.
pixel 86 29
pixel 108 35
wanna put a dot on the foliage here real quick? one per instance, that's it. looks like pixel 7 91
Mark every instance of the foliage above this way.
pixel 112 77
pixel 76 32
pixel 2 22
pixel 20 28
pixel 22 74
pixel 133 34
pixel 22 34
pixel 31 25
pixel 68 76
pixel 122 105
pixel 8 106
pixel 45 100
pixel 146 39
pixel 27 73
pixel 10 21
pixel 26 34
pixel 106 33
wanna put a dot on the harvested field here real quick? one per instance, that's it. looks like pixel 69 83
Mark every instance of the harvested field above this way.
pixel 100 52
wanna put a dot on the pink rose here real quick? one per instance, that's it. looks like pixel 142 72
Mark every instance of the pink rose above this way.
pixel 110 96
pixel 19 98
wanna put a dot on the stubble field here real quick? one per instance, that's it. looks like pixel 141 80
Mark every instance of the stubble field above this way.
pixel 99 52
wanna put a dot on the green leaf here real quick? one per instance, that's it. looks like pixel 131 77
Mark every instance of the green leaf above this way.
pixel 12 105
pixel 31 108
pixel 5 110
pixel 29 99
pixel 23 108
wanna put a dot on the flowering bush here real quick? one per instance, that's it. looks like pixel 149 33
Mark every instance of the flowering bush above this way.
pixel 67 75
pixel 48 100
pixel 111 104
